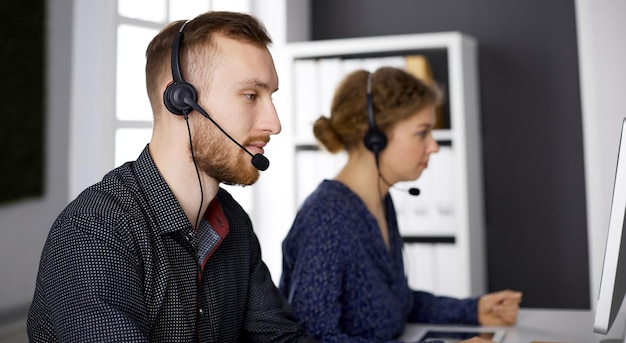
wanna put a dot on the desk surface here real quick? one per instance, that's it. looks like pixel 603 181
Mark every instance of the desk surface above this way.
pixel 543 325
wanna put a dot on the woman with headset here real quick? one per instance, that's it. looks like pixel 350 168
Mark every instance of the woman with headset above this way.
pixel 342 261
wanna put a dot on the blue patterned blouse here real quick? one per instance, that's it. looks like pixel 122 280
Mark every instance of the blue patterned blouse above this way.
pixel 343 283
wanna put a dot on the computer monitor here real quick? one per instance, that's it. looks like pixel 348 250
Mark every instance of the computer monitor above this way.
pixel 613 280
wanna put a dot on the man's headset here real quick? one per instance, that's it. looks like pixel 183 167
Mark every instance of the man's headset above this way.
pixel 180 98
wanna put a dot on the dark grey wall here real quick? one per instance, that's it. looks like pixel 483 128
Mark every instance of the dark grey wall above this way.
pixel 532 130
pixel 22 63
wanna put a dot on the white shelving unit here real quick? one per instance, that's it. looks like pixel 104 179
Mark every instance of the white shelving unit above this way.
pixel 444 226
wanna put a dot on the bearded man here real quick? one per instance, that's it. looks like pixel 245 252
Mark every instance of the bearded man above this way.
pixel 157 251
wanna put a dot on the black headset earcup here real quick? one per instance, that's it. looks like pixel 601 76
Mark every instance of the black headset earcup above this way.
pixel 175 94
pixel 374 140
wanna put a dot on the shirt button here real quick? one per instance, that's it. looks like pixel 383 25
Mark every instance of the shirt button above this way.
pixel 201 311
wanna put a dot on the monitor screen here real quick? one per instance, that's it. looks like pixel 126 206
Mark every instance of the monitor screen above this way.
pixel 613 280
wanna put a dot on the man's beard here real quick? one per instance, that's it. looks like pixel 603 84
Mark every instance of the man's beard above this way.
pixel 220 158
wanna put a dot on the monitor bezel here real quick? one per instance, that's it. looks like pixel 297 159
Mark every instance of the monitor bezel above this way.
pixel 613 279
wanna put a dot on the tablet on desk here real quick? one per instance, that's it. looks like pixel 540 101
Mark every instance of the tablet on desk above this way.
pixel 451 334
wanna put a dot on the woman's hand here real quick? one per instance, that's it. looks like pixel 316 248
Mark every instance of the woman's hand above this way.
pixel 499 308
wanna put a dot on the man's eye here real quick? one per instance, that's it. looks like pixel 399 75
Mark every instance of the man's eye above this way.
pixel 250 96
pixel 423 133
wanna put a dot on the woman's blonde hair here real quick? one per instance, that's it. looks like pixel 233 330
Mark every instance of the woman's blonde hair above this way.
pixel 396 95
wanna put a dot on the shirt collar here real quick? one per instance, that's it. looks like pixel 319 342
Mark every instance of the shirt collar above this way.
pixel 160 200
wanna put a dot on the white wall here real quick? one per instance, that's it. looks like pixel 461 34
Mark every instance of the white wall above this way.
pixel 602 55
pixel 92 96
pixel 274 197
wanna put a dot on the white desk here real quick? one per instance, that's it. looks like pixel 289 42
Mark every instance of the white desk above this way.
pixel 542 325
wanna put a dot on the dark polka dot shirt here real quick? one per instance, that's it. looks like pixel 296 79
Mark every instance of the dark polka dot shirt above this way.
pixel 344 284
pixel 122 264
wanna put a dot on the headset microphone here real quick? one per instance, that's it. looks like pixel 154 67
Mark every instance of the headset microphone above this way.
pixel 412 191
pixel 180 97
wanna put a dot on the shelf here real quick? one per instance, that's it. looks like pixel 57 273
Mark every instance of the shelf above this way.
pixel 442 136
